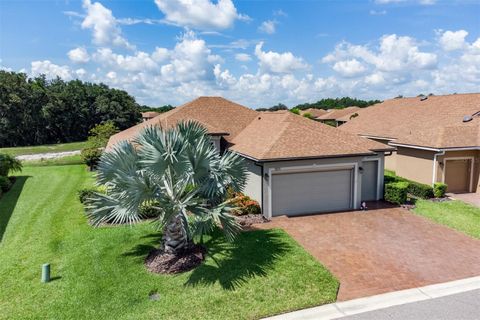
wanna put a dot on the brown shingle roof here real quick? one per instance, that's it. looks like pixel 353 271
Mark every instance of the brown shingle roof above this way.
pixel 260 135
pixel 283 135
pixel 436 122
pixel 150 114
pixel 218 115
pixel 336 114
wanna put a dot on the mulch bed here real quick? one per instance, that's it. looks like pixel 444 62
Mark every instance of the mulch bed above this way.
pixel 246 221
pixel 161 262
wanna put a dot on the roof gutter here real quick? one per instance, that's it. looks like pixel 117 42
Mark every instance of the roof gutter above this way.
pixel 434 174
pixel 433 149
pixel 305 158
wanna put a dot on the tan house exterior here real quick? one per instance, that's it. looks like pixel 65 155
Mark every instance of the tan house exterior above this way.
pixel 295 165
pixel 437 138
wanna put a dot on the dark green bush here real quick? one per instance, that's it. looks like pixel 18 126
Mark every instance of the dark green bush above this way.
pixel 5 184
pixel 416 189
pixel 396 192
pixel 91 157
pixel 8 163
pixel 420 190
pixel 439 189
pixel 85 194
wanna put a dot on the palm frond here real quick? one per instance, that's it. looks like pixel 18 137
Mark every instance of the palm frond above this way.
pixel 122 160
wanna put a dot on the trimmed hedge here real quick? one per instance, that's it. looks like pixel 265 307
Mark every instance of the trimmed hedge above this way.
pixel 416 189
pixel 439 189
pixel 396 192
pixel 420 190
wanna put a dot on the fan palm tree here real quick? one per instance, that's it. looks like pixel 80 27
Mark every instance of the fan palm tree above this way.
pixel 181 172
pixel 9 164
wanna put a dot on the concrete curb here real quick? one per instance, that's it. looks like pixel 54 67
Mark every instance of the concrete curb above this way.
pixel 381 301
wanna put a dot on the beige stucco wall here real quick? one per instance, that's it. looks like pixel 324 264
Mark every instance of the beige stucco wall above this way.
pixel 415 164
pixel 460 154
pixel 390 160
pixel 253 188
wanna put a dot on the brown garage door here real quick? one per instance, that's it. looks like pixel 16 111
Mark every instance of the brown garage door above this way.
pixel 457 175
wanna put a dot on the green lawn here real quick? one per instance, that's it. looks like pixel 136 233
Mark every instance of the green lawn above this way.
pixel 99 273
pixel 454 214
pixel 18 151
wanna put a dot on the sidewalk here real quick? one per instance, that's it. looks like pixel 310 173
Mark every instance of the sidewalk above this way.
pixel 381 301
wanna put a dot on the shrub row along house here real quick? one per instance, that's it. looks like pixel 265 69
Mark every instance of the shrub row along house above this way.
pixel 295 165
pixel 437 138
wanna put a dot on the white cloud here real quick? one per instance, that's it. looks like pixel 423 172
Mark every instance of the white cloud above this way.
pixel 395 54
pixel 267 27
pixel 349 68
pixel 453 40
pixel 201 14
pixel 191 59
pixel 278 62
pixel 378 12
pixel 50 70
pixel 244 57
pixel 139 62
pixel 78 55
pixel 104 25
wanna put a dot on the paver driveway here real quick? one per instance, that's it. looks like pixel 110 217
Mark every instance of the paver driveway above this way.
pixel 383 250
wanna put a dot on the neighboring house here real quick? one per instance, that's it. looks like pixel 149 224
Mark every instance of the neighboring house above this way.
pixel 437 137
pixel 295 165
pixel 339 116
pixel 314 112
pixel 149 115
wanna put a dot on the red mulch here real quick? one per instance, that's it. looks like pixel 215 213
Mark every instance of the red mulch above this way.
pixel 161 262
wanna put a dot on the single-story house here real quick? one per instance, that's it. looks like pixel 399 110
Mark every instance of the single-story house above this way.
pixel 149 115
pixel 314 112
pixel 339 116
pixel 295 165
pixel 437 138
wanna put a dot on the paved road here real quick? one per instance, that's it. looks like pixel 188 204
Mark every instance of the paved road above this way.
pixel 461 306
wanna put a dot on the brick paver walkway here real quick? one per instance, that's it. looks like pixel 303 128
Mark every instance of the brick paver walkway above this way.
pixel 383 250
pixel 471 198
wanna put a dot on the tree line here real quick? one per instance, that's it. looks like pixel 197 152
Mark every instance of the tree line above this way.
pixel 37 111
pixel 337 103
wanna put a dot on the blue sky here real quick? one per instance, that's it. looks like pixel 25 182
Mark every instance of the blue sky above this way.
pixel 258 53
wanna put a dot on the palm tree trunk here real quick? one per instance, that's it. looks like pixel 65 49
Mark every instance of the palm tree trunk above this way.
pixel 174 238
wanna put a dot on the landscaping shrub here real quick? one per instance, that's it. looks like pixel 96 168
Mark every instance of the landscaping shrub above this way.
pixel 85 194
pixel 396 192
pixel 420 190
pixel 416 189
pixel 99 135
pixel 244 204
pixel 439 189
pixel 5 184
pixel 9 163
pixel 91 157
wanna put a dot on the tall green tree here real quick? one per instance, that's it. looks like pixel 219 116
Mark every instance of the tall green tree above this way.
pixel 181 171
pixel 40 111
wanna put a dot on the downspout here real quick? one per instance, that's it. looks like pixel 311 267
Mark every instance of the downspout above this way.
pixel 434 176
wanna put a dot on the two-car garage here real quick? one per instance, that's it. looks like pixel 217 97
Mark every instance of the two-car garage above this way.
pixel 295 193
pixel 328 188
